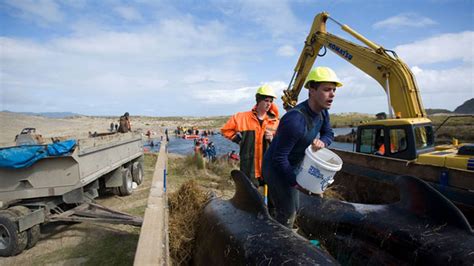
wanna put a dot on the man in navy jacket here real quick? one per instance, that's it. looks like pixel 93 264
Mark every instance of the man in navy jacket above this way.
pixel 306 124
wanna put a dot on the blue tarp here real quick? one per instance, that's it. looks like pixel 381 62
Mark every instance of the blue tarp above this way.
pixel 26 155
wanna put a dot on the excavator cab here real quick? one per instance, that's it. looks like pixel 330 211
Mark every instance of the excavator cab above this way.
pixel 396 138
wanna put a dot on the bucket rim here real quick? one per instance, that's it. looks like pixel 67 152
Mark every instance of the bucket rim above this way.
pixel 326 165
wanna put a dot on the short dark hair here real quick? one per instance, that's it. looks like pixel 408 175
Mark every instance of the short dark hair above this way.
pixel 126 114
pixel 381 115
pixel 260 97
pixel 312 84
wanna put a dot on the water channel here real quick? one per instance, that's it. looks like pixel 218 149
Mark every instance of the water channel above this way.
pixel 223 146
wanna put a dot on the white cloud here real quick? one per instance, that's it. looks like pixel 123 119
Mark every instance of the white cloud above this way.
pixel 182 37
pixel 405 20
pixel 286 50
pixel 242 95
pixel 42 11
pixel 162 66
pixel 128 13
pixel 224 97
pixel 443 48
pixel 455 80
pixel 447 88
pixel 357 84
pixel 13 49
pixel 205 74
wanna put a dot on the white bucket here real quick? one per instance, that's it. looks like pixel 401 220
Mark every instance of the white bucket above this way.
pixel 317 171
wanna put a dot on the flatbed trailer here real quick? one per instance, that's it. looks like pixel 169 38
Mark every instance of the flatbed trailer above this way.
pixel 62 188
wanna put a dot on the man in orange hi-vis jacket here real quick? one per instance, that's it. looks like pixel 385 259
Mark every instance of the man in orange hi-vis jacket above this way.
pixel 253 131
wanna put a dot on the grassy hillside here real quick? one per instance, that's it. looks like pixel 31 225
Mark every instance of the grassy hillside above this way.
pixel 461 128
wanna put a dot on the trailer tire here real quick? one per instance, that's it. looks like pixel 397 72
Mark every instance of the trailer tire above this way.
pixel 127 180
pixel 12 242
pixel 137 172
pixel 33 234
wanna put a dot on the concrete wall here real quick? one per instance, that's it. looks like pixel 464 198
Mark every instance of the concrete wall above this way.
pixel 153 246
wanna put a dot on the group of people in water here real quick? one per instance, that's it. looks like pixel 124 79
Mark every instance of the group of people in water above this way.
pixel 182 131
pixel 205 148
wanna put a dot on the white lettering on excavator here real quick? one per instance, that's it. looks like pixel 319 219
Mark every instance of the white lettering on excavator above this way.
pixel 339 50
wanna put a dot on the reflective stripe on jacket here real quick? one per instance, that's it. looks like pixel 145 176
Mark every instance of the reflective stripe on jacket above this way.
pixel 251 141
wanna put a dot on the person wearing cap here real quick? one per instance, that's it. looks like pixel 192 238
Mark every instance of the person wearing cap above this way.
pixel 306 124
pixel 124 123
pixel 253 131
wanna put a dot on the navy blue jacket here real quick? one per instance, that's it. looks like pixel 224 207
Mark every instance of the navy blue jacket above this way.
pixel 297 129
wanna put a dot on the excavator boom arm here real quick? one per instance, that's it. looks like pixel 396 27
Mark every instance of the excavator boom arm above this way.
pixel 389 71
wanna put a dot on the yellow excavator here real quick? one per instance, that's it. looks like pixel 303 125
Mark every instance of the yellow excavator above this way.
pixel 407 136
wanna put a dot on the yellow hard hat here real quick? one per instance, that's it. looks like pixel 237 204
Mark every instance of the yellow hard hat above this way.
pixel 323 74
pixel 266 90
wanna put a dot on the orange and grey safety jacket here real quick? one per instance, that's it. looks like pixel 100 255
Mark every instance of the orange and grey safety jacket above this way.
pixel 245 129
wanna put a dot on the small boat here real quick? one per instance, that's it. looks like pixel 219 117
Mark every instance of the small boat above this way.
pixel 191 136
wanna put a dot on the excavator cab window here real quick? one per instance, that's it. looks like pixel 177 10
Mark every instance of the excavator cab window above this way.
pixel 398 140
pixel 384 141
pixel 370 140
pixel 424 137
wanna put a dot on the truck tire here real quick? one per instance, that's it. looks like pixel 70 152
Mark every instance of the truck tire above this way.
pixel 33 234
pixel 137 172
pixel 12 242
pixel 127 180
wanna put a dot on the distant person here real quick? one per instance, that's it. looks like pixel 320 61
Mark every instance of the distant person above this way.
pixel 112 127
pixel 381 116
pixel 124 123
pixel 166 134
pixel 211 152
pixel 197 149
pixel 253 131
pixel 380 146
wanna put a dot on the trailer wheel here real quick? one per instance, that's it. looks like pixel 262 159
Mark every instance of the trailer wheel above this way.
pixel 127 180
pixel 12 242
pixel 33 234
pixel 137 172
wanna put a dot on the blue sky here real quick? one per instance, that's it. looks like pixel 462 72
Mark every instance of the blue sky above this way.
pixel 206 58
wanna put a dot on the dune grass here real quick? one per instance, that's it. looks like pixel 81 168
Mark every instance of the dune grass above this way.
pixel 214 175
pixel 191 179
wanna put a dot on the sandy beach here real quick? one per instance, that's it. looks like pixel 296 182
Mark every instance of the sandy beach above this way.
pixel 80 126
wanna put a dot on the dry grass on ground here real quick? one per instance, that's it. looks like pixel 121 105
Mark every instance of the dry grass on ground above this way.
pixel 214 176
pixel 190 183
pixel 185 206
